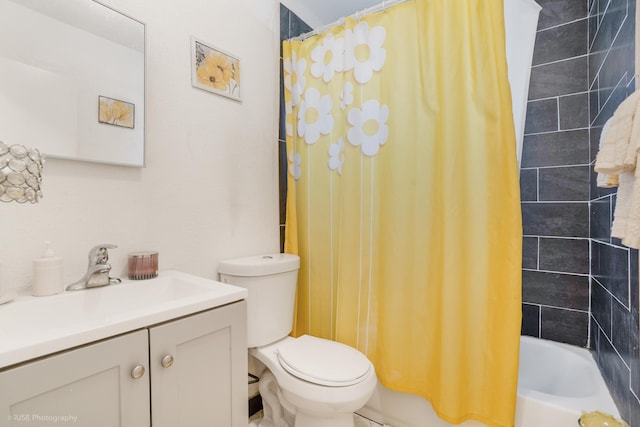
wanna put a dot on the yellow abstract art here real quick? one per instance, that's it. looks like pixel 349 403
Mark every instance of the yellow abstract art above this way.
pixel 115 112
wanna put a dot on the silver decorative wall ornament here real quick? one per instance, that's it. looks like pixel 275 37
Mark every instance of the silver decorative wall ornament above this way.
pixel 20 173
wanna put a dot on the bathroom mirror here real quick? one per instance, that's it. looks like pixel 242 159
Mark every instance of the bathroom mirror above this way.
pixel 72 80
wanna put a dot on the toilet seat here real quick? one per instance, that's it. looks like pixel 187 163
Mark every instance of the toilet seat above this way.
pixel 323 362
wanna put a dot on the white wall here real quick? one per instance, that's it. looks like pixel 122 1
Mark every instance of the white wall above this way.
pixel 521 22
pixel 210 188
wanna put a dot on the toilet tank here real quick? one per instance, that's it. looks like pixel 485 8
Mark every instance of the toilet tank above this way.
pixel 271 281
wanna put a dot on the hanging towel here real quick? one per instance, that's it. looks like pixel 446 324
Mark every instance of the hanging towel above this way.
pixel 617 154
pixel 605 180
pixel 626 221
pixel 616 164
pixel 633 148
pixel 623 205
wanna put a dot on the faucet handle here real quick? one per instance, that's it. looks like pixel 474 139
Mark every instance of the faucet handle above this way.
pixel 99 254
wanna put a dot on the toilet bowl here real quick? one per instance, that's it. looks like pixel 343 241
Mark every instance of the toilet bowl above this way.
pixel 328 387
pixel 320 382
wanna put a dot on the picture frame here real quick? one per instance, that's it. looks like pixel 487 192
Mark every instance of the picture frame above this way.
pixel 116 112
pixel 215 70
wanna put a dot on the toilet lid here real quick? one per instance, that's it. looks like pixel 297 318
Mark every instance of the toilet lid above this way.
pixel 323 362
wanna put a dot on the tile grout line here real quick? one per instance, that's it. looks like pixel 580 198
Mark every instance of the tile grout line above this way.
pixel 555 131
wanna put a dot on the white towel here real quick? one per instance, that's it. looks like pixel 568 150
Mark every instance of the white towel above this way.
pixel 623 204
pixel 617 160
pixel 626 222
pixel 605 180
pixel 615 155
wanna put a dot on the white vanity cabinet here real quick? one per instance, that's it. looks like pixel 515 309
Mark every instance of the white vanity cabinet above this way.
pixel 87 386
pixel 199 369
pixel 189 371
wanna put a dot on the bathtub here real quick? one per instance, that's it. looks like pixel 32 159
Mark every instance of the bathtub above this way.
pixel 556 382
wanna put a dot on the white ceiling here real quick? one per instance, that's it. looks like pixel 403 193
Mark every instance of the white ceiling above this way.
pixel 317 13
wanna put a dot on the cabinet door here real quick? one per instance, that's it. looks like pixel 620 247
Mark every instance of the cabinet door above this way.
pixel 86 387
pixel 203 380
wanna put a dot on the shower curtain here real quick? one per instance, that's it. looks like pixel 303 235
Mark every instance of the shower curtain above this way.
pixel 403 200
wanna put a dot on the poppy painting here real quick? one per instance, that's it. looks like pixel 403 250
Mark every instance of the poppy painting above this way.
pixel 214 70
pixel 115 112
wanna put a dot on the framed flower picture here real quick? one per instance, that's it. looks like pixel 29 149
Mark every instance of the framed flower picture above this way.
pixel 115 112
pixel 214 70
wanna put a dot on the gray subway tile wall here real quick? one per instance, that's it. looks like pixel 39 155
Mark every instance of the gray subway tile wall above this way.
pixel 562 77
pixel 568 255
pixel 543 116
pixel 529 185
pixel 601 217
pixel 567 183
pixel 557 324
pixel 530 319
pixel 560 12
pixel 558 290
pixel 574 111
pixel 530 252
pixel 555 219
pixel 573 44
pixel 560 148
pixel 610 268
pixel 614 324
pixel 580 285
pixel 555 178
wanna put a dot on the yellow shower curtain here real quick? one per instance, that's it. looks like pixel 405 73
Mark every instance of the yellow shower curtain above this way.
pixel 403 200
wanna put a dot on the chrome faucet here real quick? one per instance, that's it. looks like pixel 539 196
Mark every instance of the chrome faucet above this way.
pixel 97 271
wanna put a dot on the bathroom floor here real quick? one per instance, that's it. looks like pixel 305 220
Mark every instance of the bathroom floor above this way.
pixel 359 421
pixel 364 422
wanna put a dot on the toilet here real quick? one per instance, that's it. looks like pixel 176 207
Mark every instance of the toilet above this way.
pixel 320 382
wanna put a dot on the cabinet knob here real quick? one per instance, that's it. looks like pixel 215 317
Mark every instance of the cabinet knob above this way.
pixel 167 361
pixel 137 372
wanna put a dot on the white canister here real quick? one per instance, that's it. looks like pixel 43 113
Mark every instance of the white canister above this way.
pixel 47 274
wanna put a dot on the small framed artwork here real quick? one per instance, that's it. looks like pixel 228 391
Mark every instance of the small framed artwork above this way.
pixel 115 112
pixel 214 70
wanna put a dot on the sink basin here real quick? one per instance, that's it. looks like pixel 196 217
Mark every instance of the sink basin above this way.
pixel 37 326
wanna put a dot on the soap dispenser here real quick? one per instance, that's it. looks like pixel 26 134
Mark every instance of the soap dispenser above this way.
pixel 47 273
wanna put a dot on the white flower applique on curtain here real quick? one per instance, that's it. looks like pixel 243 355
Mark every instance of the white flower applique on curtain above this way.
pixel 328 58
pixel 346 96
pixel 294 165
pixel 364 52
pixel 369 126
pixel 314 116
pixel 294 79
pixel 336 156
